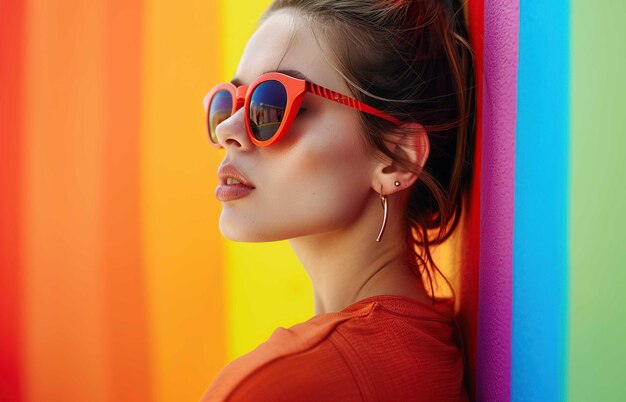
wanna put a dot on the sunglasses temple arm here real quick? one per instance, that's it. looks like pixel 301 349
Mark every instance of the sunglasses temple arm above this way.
pixel 345 100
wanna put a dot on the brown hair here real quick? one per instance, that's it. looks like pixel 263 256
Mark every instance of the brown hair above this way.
pixel 411 59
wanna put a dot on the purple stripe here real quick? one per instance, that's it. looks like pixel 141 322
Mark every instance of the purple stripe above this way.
pixel 497 202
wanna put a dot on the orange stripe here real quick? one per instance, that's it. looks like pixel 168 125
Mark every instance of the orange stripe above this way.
pixel 65 345
pixel 181 244
pixel 125 317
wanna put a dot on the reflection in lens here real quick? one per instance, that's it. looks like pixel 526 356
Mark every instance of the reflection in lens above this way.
pixel 220 109
pixel 267 109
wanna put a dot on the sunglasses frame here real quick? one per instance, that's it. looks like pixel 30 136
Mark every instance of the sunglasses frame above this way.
pixel 296 89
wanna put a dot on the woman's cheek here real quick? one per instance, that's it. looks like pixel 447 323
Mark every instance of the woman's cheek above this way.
pixel 313 182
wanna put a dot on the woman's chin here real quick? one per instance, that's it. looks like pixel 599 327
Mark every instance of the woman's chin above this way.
pixel 245 233
pixel 234 233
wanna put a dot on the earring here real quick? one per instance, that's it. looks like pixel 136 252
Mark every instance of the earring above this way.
pixel 383 200
pixel 397 183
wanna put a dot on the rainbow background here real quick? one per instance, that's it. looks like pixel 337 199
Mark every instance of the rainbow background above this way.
pixel 116 285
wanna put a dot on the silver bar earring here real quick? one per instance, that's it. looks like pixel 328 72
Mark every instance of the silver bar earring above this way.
pixel 383 200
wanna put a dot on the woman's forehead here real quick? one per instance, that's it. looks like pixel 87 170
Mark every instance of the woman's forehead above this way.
pixel 285 42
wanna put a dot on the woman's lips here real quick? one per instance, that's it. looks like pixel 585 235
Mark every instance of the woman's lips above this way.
pixel 229 170
pixel 229 192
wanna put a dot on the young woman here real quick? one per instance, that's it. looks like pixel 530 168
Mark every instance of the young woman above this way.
pixel 347 130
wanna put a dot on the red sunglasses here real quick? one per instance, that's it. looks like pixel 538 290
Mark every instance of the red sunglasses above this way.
pixel 271 103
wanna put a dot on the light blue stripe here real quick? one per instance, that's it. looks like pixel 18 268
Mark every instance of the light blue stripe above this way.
pixel 540 249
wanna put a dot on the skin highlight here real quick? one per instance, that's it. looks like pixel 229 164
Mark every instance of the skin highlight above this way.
pixel 319 186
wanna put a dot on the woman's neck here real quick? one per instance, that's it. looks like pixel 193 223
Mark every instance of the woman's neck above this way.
pixel 348 265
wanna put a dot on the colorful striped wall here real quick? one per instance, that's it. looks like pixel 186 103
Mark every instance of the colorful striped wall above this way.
pixel 116 285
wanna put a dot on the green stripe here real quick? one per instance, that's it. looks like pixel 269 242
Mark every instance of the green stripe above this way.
pixel 597 355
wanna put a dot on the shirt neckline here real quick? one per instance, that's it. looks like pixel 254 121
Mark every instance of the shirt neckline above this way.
pixel 397 304
pixel 405 306
pixel 440 302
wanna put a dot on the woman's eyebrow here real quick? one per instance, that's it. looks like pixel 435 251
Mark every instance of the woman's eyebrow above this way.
pixel 291 73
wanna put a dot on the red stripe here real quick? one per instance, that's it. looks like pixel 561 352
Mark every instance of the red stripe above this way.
pixel 11 133
pixel 468 314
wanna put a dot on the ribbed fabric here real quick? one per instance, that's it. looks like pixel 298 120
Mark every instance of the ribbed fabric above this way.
pixel 382 348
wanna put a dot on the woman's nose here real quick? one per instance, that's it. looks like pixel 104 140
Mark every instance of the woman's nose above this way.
pixel 231 132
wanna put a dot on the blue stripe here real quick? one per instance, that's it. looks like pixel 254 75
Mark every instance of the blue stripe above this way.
pixel 540 248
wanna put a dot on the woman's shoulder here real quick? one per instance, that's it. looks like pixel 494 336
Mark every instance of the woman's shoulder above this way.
pixel 285 347
pixel 344 355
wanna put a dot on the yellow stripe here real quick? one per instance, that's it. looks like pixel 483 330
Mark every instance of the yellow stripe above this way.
pixel 239 23
pixel 267 287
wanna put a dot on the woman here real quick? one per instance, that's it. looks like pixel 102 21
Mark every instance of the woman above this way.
pixel 347 131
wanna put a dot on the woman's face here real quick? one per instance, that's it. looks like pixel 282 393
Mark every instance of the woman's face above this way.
pixel 316 179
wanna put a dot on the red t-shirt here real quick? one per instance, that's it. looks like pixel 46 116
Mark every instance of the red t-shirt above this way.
pixel 382 348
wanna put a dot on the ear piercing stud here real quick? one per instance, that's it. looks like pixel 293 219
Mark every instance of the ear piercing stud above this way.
pixel 397 183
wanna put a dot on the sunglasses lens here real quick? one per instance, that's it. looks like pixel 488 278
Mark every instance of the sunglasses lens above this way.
pixel 219 110
pixel 267 109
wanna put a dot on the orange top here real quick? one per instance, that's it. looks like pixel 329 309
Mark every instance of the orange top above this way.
pixel 381 348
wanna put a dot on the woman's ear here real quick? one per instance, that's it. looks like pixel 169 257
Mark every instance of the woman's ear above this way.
pixel 412 143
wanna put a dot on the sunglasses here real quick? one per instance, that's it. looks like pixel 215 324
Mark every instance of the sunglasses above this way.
pixel 271 103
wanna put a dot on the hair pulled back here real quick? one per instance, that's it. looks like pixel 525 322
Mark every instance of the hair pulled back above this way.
pixel 410 59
